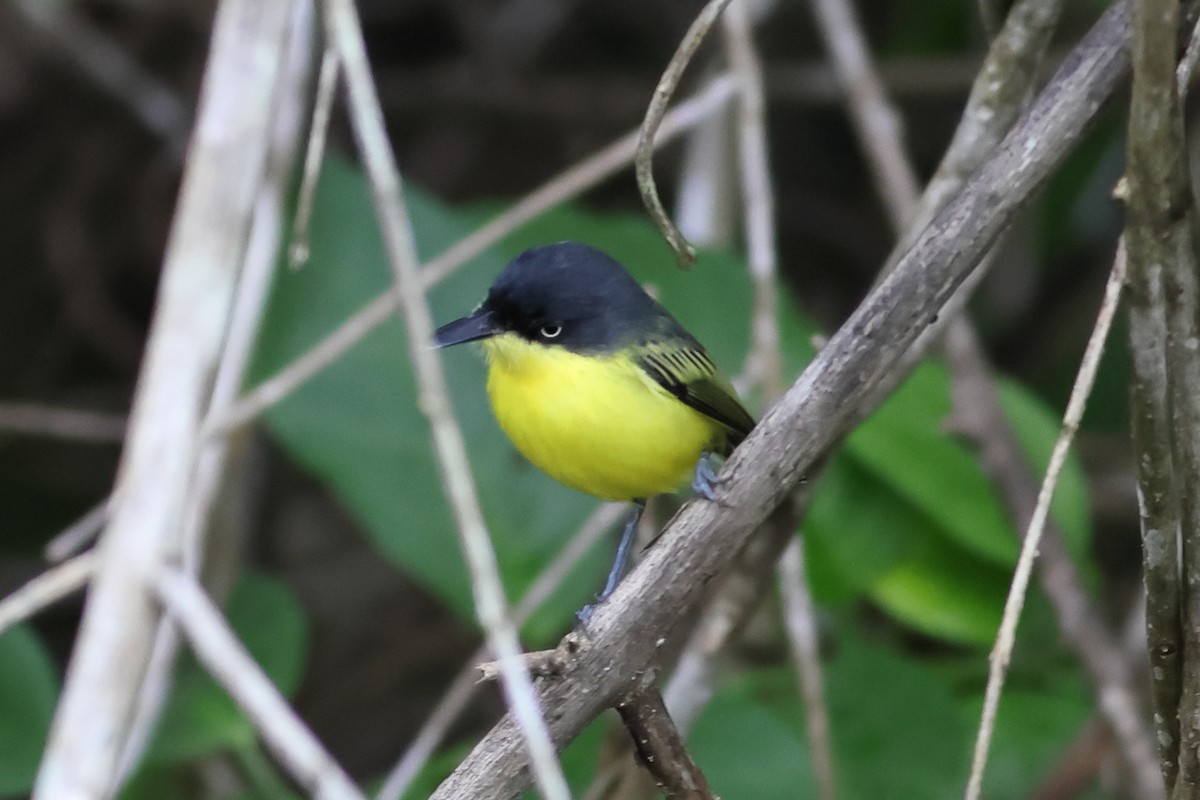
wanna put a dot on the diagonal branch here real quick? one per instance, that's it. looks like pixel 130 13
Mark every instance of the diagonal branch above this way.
pixel 434 397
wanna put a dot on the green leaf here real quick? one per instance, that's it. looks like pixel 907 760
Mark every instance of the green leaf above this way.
pixel 944 591
pixel 745 750
pixel 200 718
pixel 855 531
pixel 28 693
pixel 896 729
pixel 356 424
pixel 905 445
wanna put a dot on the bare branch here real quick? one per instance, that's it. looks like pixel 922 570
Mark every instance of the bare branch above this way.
pixel 195 293
pixel 765 367
pixel 314 155
pixel 152 102
pixel 51 586
pixel 463 688
pixel 661 748
pixel 79 534
pixel 799 616
pixel 434 398
pixel 1160 225
pixel 250 302
pixel 876 120
pixel 977 411
pixel 32 419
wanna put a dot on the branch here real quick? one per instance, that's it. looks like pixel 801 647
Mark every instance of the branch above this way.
pixel 43 590
pixel 205 250
pixel 1160 225
pixel 434 398
pixel 837 388
pixel 464 686
pixel 661 748
pixel 976 407
pixel 31 419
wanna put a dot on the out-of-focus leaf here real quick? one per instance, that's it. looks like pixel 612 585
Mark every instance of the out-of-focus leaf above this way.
pixel 905 445
pixel 855 530
pixel 746 751
pixel 944 591
pixel 891 713
pixel 356 424
pixel 1035 726
pixel 28 693
pixel 200 718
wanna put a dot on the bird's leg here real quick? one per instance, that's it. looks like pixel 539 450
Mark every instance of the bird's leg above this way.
pixel 705 478
pixel 624 550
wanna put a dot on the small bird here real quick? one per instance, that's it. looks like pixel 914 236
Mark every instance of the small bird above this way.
pixel 597 384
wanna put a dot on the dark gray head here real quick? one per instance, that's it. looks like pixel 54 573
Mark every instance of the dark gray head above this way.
pixel 566 294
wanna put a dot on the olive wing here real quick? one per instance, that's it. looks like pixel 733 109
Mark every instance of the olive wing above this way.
pixel 686 371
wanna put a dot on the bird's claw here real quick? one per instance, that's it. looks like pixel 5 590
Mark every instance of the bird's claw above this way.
pixel 705 480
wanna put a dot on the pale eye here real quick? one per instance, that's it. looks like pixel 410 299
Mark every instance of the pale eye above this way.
pixel 550 331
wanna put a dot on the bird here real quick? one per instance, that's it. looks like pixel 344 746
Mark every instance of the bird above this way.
pixel 597 385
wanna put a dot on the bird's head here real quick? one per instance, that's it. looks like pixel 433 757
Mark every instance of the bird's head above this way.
pixel 561 295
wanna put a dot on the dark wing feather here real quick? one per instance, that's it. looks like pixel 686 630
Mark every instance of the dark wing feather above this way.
pixel 686 371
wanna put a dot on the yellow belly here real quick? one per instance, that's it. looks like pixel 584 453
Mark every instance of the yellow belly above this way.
pixel 596 424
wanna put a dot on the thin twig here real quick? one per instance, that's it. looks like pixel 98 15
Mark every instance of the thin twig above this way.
pixel 997 98
pixel 234 668
pixel 876 120
pixel 244 76
pixel 33 419
pixel 1006 636
pixel 765 368
pixel 758 198
pixel 51 586
pixel 685 254
pixel 991 15
pixel 433 397
pixel 799 617
pixel 466 683
pixel 573 181
pixel 79 534
pixel 314 155
pixel 249 305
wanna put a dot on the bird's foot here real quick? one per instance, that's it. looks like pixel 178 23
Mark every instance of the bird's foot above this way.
pixel 705 479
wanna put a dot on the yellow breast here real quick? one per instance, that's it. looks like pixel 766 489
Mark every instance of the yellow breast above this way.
pixel 598 424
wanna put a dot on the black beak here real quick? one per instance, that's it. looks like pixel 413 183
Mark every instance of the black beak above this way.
pixel 476 325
